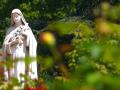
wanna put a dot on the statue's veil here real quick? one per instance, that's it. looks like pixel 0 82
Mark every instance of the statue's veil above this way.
pixel 20 13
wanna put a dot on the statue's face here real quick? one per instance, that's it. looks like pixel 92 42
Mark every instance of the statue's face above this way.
pixel 16 18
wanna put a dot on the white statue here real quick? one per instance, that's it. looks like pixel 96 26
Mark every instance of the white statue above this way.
pixel 20 42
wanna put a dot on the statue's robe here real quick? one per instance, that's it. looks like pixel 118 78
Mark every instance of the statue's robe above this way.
pixel 19 52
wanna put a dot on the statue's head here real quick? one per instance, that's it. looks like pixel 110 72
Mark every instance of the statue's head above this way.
pixel 17 16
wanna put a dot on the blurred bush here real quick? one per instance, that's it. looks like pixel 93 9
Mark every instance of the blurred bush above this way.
pixel 93 61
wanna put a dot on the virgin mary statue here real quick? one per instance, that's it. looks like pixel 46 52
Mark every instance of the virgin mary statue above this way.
pixel 18 44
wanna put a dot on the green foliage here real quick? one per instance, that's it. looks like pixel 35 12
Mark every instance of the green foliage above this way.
pixel 93 64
